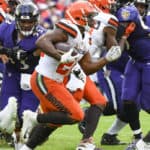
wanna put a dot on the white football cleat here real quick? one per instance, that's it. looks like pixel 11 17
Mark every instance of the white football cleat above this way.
pixel 16 143
pixel 25 147
pixel 8 116
pixel 86 146
pixel 29 121
pixel 141 145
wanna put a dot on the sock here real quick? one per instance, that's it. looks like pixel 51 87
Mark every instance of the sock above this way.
pixel 25 147
pixel 91 121
pixel 132 113
pixel 116 127
pixel 55 118
pixel 39 135
pixel 137 134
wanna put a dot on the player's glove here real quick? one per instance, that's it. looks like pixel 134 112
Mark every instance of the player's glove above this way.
pixel 71 56
pixel 3 50
pixel 7 51
pixel 113 53
pixel 78 72
pixel 21 54
pixel 129 29
pixel 15 53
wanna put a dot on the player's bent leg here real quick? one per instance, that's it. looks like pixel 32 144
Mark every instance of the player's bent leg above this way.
pixel 39 135
pixel 91 119
pixel 56 99
pixel 98 103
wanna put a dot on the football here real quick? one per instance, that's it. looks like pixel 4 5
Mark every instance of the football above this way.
pixel 62 47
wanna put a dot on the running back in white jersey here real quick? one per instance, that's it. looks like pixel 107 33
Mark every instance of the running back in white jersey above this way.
pixel 50 67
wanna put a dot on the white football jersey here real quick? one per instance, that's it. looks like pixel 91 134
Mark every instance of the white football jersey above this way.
pixel 50 67
pixel 97 36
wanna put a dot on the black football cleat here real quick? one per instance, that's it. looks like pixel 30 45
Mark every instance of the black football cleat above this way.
pixel 147 137
pixel 108 139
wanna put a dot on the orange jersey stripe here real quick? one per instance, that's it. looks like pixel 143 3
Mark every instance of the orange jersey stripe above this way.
pixel 42 54
pixel 113 22
pixel 67 28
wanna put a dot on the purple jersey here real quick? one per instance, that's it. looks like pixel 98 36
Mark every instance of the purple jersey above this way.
pixel 8 38
pixel 16 69
pixel 139 41
pixel 110 80
pixel 136 84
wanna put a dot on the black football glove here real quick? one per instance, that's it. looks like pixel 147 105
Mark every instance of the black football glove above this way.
pixel 15 53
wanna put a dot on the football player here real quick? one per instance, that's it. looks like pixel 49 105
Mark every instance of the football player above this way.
pixel 142 7
pixel 6 14
pixel 59 106
pixel 20 55
pixel 136 73
pixel 111 75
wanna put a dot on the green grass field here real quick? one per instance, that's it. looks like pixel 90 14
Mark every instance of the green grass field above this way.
pixel 67 137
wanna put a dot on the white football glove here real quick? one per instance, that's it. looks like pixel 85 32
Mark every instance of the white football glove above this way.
pixel 113 53
pixel 78 72
pixel 71 56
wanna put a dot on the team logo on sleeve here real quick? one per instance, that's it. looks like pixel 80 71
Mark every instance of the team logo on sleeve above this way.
pixel 125 14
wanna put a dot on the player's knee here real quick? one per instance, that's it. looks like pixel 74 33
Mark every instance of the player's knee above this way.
pixel 78 116
pixel 101 107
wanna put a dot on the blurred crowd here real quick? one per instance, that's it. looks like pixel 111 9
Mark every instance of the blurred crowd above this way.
pixel 51 11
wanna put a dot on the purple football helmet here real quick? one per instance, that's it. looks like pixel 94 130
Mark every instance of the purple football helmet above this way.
pixel 127 14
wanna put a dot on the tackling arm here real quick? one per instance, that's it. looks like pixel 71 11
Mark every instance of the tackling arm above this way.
pixel 111 38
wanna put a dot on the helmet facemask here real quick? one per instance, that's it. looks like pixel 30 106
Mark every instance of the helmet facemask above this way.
pixel 142 6
pixel 26 26
pixel 91 22
pixel 81 13
pixel 26 18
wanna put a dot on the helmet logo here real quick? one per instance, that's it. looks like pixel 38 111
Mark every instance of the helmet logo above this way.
pixel 125 14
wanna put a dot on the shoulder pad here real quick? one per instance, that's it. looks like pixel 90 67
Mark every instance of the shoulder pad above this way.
pixel 107 19
pixel 67 26
pixel 113 21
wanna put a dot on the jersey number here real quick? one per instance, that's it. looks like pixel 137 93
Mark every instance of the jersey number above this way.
pixel 64 68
